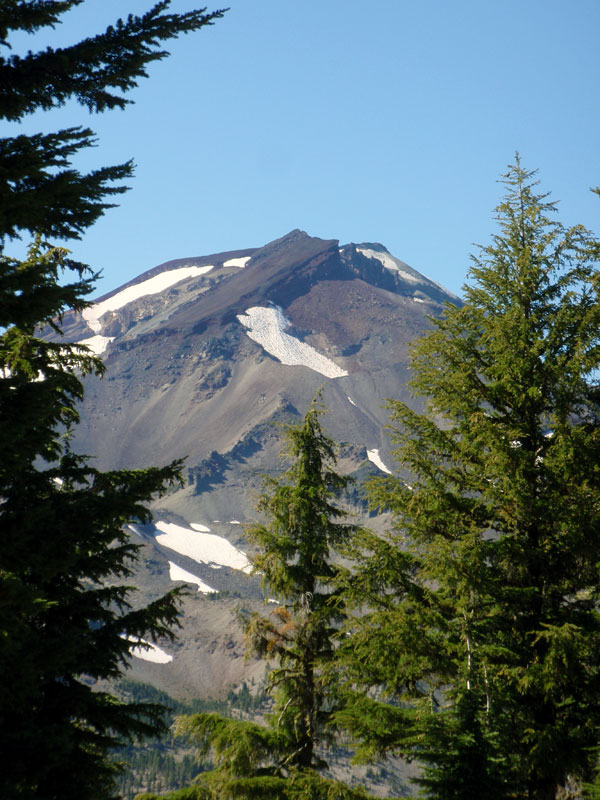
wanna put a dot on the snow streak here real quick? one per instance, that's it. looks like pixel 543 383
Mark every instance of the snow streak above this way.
pixel 177 573
pixel 205 548
pixel 266 326
pixel 375 458
pixel 153 285
pixel 237 262
pixel 151 653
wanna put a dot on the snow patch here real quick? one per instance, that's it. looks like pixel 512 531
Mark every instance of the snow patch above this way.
pixel 198 527
pixel 205 548
pixel 418 300
pixel 392 263
pixel 375 458
pixel 177 573
pixel 153 285
pixel 150 653
pixel 389 262
pixel 351 400
pixel 234 522
pixel 266 326
pixel 97 344
pixel 237 262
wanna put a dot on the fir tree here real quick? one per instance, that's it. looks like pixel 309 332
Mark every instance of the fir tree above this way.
pixel 304 529
pixel 482 602
pixel 66 617
pixel 591 790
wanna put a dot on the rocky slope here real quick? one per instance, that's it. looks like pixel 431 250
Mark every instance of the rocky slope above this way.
pixel 205 356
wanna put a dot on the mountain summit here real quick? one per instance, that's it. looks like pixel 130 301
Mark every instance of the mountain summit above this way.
pixel 204 357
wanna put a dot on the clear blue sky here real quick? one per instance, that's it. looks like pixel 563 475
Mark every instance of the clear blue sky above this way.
pixel 385 121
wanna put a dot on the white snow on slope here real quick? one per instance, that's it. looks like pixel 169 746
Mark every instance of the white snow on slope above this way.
pixel 198 527
pixel 389 262
pixel 375 458
pixel 267 325
pixel 153 285
pixel 97 344
pixel 177 573
pixel 152 653
pixel 205 548
pixel 237 262
pixel 351 400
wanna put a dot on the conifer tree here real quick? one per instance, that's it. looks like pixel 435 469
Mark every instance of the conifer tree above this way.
pixel 66 617
pixel 304 528
pixel 482 603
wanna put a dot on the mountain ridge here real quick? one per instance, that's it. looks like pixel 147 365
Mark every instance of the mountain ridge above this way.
pixel 205 358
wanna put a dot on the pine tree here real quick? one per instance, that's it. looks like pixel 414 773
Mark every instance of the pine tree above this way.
pixel 484 596
pixel 591 790
pixel 304 529
pixel 66 616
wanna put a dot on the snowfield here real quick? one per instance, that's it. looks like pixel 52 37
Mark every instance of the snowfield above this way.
pixel 152 286
pixel 266 326
pixel 375 458
pixel 199 527
pixel 394 264
pixel 389 262
pixel 97 344
pixel 237 262
pixel 177 573
pixel 152 653
pixel 205 548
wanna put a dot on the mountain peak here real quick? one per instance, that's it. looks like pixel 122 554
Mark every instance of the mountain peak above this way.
pixel 205 358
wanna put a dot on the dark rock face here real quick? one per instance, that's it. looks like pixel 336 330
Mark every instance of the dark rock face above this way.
pixel 191 372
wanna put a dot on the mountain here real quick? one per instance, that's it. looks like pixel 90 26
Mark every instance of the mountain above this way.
pixel 205 356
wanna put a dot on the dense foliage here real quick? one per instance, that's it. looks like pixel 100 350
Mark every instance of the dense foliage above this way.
pixel 167 764
pixel 66 618
pixel 482 631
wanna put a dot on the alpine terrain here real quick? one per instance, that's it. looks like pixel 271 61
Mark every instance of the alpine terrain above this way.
pixel 205 356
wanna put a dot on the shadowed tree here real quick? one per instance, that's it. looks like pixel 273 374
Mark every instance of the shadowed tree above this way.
pixel 482 602
pixel 284 757
pixel 67 620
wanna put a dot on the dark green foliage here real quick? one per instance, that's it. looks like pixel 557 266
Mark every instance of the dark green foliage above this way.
pixel 591 790
pixel 160 766
pixel 154 768
pixel 303 530
pixel 459 755
pixel 31 409
pixel 65 611
pixel 64 555
pixel 482 602
pixel 295 550
pixel 300 785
